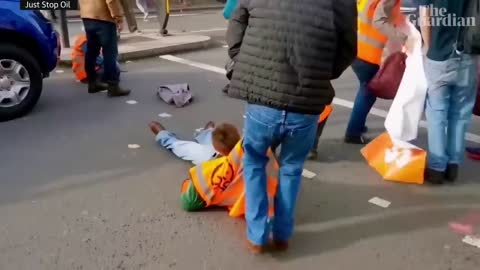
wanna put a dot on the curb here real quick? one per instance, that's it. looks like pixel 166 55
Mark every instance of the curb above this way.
pixel 173 10
pixel 152 52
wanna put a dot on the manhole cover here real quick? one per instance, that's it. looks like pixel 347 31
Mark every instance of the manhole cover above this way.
pixel 135 39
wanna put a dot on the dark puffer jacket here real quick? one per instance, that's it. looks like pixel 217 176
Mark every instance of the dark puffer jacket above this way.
pixel 286 52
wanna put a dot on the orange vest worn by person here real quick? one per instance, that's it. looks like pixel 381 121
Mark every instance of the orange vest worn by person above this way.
pixel 220 181
pixel 78 58
pixel 371 41
pixel 325 114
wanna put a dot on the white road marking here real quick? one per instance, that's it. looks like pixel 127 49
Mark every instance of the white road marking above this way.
pixel 472 240
pixel 131 102
pixel 59 71
pixel 380 202
pixel 164 115
pixel 337 101
pixel 133 146
pixel 151 16
pixel 209 30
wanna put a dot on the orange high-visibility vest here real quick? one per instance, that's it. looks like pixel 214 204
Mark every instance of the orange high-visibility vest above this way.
pixel 371 41
pixel 220 181
pixel 325 114
pixel 78 58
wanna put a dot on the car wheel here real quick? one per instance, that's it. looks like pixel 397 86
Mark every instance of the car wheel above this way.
pixel 20 82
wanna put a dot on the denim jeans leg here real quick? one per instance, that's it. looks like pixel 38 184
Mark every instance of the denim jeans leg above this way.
pixel 259 133
pixel 204 136
pixel 297 141
pixel 109 42
pixel 186 150
pixel 462 101
pixel 93 48
pixel 364 100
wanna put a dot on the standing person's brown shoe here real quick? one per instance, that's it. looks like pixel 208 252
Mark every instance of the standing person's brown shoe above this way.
pixel 255 249
pixel 115 90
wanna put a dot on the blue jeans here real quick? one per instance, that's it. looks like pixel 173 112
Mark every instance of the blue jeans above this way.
pixel 101 36
pixel 197 151
pixel 364 100
pixel 452 87
pixel 295 132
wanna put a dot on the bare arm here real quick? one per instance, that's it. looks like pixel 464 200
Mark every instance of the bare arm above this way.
pixel 425 26
pixel 383 20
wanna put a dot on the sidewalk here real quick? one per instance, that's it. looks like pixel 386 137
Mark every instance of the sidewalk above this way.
pixel 73 14
pixel 147 44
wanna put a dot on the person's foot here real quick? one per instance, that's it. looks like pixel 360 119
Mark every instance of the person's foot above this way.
pixel 473 153
pixel 434 177
pixel 365 129
pixel 451 174
pixel 209 125
pixel 313 155
pixel 156 127
pixel 280 245
pixel 115 90
pixel 225 89
pixel 356 139
pixel 97 87
pixel 145 17
pixel 255 249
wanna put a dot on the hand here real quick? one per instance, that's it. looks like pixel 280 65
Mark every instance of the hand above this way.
pixel 119 22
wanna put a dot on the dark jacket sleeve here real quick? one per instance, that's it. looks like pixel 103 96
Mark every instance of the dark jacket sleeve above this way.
pixel 236 28
pixel 346 27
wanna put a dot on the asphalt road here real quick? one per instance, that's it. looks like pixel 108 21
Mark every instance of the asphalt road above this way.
pixel 74 196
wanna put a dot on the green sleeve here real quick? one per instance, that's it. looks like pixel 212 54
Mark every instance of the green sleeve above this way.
pixel 191 200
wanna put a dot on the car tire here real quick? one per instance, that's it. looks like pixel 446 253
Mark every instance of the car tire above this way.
pixel 24 57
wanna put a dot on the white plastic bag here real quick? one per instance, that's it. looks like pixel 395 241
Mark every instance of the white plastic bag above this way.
pixel 407 108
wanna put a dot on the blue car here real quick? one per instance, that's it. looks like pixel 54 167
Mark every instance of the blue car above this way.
pixel 29 51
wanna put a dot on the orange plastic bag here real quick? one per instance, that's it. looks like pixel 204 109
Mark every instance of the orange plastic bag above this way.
pixel 394 163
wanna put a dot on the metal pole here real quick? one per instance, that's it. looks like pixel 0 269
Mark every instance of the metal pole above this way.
pixel 64 28
pixel 129 16
pixel 163 13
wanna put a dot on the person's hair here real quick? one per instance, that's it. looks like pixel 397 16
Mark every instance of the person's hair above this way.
pixel 224 138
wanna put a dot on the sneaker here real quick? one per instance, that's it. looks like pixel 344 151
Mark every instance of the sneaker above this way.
pixel 356 140
pixel 451 173
pixel 255 249
pixel 434 177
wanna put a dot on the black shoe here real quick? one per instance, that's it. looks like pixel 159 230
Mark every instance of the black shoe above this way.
pixel 97 87
pixel 313 155
pixel 356 140
pixel 115 90
pixel 365 129
pixel 434 177
pixel 225 89
pixel 451 173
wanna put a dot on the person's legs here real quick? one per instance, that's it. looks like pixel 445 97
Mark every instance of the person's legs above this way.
pixel 363 102
pixel 298 137
pixel 314 151
pixel 186 150
pixel 439 78
pixel 93 50
pixel 261 127
pixel 109 43
pixel 462 100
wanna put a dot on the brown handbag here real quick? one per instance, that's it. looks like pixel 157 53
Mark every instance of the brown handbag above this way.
pixel 385 83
